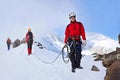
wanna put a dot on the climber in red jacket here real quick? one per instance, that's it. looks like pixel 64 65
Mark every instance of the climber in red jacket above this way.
pixel 29 40
pixel 73 33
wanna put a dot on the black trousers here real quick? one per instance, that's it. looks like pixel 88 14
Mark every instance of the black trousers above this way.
pixel 29 44
pixel 8 45
pixel 75 53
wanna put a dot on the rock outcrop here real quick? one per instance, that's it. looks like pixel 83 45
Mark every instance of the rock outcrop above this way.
pixel 108 59
pixel 113 72
pixel 112 62
pixel 94 68
pixel 16 43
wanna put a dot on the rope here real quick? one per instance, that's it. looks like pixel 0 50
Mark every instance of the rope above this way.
pixel 65 58
pixel 68 53
pixel 47 62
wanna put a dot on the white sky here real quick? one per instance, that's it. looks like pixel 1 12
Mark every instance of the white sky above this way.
pixel 43 16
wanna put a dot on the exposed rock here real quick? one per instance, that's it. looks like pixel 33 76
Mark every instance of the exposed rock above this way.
pixel 113 72
pixel 112 62
pixel 110 58
pixel 39 45
pixel 118 50
pixel 16 43
pixel 94 54
pixel 118 56
pixel 35 42
pixel 23 40
pixel 99 57
pixel 94 68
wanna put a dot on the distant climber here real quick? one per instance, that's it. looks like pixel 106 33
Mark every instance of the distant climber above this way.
pixel 8 43
pixel 29 40
pixel 119 38
pixel 72 36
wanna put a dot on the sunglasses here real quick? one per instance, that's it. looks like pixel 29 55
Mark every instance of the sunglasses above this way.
pixel 72 17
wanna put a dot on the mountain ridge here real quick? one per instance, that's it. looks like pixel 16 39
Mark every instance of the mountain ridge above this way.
pixel 96 43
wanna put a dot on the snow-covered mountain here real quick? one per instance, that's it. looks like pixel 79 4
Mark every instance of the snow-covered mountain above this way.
pixel 101 44
pixel 52 42
pixel 96 43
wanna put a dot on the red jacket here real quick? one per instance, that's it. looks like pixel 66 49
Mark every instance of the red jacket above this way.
pixel 8 41
pixel 74 29
pixel 27 37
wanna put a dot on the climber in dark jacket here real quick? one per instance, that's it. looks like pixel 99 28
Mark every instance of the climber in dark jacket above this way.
pixel 29 40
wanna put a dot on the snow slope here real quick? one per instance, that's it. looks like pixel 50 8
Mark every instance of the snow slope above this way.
pixel 17 65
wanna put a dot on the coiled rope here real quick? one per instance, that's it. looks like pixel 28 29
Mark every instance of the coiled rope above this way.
pixel 65 56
